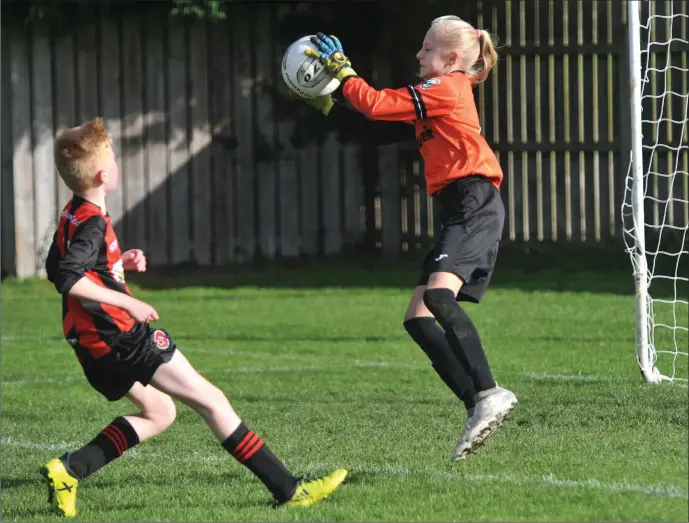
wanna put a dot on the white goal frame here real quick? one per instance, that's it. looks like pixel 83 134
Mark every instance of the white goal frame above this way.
pixel 633 206
pixel 646 363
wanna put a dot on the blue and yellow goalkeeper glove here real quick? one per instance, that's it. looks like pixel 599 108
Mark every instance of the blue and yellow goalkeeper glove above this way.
pixel 330 54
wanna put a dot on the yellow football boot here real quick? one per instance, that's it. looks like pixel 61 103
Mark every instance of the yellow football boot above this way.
pixel 310 492
pixel 62 488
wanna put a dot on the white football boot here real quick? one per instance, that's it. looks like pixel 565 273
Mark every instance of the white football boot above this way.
pixel 492 408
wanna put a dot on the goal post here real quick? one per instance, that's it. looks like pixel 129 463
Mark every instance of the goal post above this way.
pixel 655 209
pixel 638 251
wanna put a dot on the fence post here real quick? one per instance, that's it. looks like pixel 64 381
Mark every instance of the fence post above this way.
pixel 624 107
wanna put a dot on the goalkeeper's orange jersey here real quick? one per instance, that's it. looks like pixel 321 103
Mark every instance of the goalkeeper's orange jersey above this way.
pixel 448 131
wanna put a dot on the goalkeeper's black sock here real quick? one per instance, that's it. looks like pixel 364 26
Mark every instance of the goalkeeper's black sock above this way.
pixel 431 338
pixel 250 450
pixel 110 444
pixel 461 335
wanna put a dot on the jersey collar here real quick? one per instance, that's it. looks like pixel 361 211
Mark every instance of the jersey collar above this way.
pixel 81 200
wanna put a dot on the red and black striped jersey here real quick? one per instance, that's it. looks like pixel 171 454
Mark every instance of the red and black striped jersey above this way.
pixel 443 113
pixel 85 244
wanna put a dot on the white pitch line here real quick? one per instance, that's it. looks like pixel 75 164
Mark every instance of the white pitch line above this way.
pixel 242 353
pixel 658 490
pixel 29 381
pixel 37 339
pixel 588 377
pixel 234 369
pixel 384 364
pixel 260 370
pixel 53 447
pixel 335 365
pixel 229 370
pixel 562 377
pixel 547 480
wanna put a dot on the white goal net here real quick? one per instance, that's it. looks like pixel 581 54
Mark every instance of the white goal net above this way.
pixel 655 210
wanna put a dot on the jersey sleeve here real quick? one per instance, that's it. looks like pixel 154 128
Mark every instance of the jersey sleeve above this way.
pixel 369 132
pixel 81 255
pixel 52 259
pixel 413 102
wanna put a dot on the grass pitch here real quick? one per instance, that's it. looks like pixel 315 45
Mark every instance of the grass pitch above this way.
pixel 316 361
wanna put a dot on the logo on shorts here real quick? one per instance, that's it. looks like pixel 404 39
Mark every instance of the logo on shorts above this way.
pixel 441 257
pixel 161 340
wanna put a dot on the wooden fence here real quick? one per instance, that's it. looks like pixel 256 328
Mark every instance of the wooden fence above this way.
pixel 211 171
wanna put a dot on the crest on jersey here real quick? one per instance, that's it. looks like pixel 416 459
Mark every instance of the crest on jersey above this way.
pixel 429 83
pixel 161 340
pixel 118 271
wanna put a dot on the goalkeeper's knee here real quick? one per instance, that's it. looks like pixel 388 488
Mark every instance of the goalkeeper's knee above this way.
pixel 443 305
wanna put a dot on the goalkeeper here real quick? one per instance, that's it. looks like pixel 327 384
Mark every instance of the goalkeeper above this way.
pixel 464 176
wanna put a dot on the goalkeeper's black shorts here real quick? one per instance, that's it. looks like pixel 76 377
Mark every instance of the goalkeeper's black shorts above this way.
pixel 472 216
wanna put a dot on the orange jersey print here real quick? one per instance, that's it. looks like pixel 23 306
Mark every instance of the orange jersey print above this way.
pixel 448 131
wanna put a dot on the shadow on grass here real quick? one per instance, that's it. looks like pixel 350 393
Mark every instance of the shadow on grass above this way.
pixel 554 267
pixel 545 267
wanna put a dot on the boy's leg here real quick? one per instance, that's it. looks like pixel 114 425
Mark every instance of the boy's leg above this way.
pixel 157 413
pixel 63 474
pixel 181 381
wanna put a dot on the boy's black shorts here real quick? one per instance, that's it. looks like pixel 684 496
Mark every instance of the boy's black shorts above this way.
pixel 135 356
pixel 472 216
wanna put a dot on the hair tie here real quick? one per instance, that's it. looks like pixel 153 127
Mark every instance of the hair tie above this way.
pixel 478 33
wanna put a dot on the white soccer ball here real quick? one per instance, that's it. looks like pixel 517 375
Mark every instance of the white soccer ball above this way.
pixel 305 75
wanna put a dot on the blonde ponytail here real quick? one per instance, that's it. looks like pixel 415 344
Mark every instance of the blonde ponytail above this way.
pixel 475 45
pixel 487 57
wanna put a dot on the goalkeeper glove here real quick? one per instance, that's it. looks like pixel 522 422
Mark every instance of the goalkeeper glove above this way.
pixel 323 103
pixel 330 54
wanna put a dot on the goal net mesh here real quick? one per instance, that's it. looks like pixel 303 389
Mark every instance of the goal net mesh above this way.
pixel 656 236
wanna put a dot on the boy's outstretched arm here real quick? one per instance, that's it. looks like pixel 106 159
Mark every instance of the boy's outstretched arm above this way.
pixel 85 289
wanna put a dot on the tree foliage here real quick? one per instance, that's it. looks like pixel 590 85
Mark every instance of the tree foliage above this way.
pixel 204 9
pixel 59 13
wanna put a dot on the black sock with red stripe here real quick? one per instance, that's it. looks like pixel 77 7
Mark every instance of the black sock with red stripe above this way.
pixel 250 450
pixel 110 444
